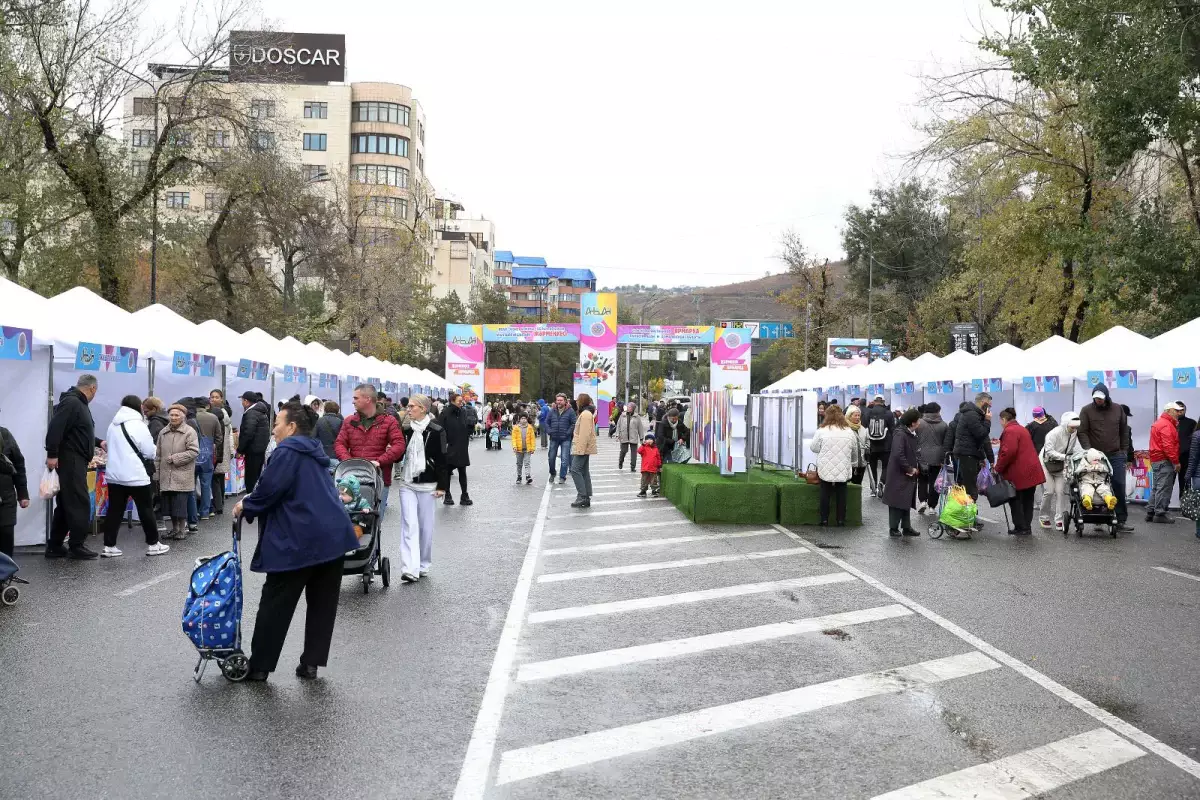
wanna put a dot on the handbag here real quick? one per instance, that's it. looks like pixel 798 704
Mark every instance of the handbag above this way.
pixel 1055 467
pixel 1000 492
pixel 681 453
pixel 147 463
pixel 811 476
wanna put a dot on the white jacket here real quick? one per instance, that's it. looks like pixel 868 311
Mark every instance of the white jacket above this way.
pixel 838 451
pixel 124 465
pixel 1062 442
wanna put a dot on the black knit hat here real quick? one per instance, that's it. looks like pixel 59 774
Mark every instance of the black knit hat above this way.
pixel 909 417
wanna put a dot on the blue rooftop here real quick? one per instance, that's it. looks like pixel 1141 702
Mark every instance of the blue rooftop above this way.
pixel 530 261
pixel 561 273
pixel 503 257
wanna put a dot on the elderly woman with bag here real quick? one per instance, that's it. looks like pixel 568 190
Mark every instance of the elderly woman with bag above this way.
pixel 14 489
pixel 839 454
pixel 900 483
pixel 175 465
pixel 304 535
pixel 1018 463
pixel 1061 443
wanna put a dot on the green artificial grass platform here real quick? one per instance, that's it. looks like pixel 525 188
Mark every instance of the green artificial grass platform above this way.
pixel 758 497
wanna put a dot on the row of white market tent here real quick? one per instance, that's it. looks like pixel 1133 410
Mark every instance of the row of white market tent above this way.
pixel 155 351
pixel 1056 374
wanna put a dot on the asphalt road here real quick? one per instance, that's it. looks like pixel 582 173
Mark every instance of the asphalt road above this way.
pixel 622 651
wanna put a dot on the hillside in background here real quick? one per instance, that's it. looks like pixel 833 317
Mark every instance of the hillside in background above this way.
pixel 690 305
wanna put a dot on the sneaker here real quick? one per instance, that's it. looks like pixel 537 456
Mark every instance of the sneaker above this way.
pixel 1123 528
pixel 110 552
pixel 177 536
pixel 895 534
pixel 581 502
pixel 642 493
pixel 518 480
pixel 911 532
pixel 424 573
pixel 529 480
pixel 1046 522
pixel 157 549
pixel 56 551
pixel 204 517
pixel 193 528
pixel 408 577
pixel 81 553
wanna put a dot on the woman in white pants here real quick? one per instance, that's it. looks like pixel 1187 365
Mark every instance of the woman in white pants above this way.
pixel 1061 444
pixel 423 478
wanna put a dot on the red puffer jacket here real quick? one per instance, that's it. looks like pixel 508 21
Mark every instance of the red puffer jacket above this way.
pixel 379 440
pixel 1017 461
pixel 651 458
pixel 1164 439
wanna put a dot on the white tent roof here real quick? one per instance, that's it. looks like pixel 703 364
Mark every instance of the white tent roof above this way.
pixel 172 332
pixel 1116 349
pixel 1003 361
pixel 21 308
pixel 80 315
pixel 1175 346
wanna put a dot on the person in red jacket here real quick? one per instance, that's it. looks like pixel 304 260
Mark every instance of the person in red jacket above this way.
pixel 651 464
pixel 1019 464
pixel 1164 461
pixel 371 434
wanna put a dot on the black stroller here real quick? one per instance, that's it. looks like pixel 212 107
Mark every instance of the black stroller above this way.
pixel 1099 514
pixel 366 559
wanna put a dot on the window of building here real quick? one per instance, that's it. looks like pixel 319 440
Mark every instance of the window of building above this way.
pixel 180 138
pixel 420 162
pixel 314 141
pixel 221 106
pixel 179 199
pixel 217 138
pixel 379 112
pixel 313 172
pixel 314 110
pixel 379 143
pixel 139 168
pixel 262 109
pixel 262 140
pixel 421 131
pixel 143 137
pixel 396 207
pixel 380 175
pixel 143 106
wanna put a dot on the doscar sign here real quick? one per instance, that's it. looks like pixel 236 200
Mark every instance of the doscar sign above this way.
pixel 274 57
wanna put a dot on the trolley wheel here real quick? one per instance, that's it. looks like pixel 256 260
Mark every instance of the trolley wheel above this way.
pixel 366 579
pixel 10 595
pixel 236 667
pixel 1112 530
pixel 936 530
pixel 385 571
pixel 1079 528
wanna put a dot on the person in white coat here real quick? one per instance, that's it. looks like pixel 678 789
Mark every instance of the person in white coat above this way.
pixel 130 447
pixel 839 453
pixel 854 421
pixel 1061 443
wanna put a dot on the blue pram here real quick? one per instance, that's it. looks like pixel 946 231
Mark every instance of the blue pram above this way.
pixel 9 593
pixel 212 613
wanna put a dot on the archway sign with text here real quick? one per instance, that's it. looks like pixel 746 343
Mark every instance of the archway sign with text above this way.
pixel 598 335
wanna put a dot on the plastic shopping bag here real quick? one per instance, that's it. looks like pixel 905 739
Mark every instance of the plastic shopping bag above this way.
pixel 944 479
pixel 959 510
pixel 49 486
pixel 986 478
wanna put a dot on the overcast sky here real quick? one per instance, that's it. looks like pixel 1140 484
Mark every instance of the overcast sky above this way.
pixel 670 147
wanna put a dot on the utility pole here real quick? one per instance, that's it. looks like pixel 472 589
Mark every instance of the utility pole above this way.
pixel 870 291
pixel 627 372
pixel 807 326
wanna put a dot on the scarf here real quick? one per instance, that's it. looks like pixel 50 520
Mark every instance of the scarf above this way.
pixel 414 456
pixel 854 426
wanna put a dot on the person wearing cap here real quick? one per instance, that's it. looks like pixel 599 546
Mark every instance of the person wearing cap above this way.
pixel 254 435
pixel 1187 426
pixel 1061 443
pixel 1164 462
pixel 1104 426
pixel 1040 428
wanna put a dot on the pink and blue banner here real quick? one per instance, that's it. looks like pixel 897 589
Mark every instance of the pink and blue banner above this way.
pixel 327 380
pixel 194 364
pixel 464 358
pixel 294 374
pixel 731 361
pixel 255 370
pixel 531 333
pixel 665 334
pixel 598 347
pixel 16 344
pixel 106 358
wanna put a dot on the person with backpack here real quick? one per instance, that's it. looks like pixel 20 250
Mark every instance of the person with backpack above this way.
pixel 129 471
pixel 879 421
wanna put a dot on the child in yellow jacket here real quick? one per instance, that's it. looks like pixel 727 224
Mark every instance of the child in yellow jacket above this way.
pixel 524 443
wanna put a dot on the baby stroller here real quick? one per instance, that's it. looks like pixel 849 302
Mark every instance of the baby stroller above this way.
pixel 9 593
pixel 212 613
pixel 366 560
pixel 1099 514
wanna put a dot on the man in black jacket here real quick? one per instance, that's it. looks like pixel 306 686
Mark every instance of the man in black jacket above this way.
pixel 454 420
pixel 70 445
pixel 1104 425
pixel 1187 427
pixel 254 436
pixel 879 421
pixel 972 439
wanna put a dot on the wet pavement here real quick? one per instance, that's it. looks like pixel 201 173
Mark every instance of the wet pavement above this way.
pixel 646 656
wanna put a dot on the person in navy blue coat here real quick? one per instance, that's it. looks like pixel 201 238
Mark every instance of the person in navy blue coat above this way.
pixel 304 535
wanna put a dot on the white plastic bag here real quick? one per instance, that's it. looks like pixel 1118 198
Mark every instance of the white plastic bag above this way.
pixel 49 486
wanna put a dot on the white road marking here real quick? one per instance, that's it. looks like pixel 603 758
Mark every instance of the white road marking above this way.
pixel 628 499
pixel 982 518
pixel 540 670
pixel 1170 571
pixel 166 576
pixel 614 494
pixel 699 537
pixel 615 513
pixel 473 778
pixel 528 762
pixel 623 527
pixel 654 566
pixel 1027 774
pixel 662 600
pixel 1131 732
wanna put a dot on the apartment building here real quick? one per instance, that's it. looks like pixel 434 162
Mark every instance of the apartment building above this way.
pixel 464 255
pixel 533 287
pixel 365 139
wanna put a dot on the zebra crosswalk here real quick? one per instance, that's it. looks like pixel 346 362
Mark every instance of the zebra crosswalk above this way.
pixel 653 657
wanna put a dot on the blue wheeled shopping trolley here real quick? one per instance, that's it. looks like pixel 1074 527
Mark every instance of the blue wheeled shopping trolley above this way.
pixel 212 613
pixel 9 593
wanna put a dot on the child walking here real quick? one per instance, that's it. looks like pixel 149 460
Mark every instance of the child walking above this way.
pixel 651 464
pixel 524 443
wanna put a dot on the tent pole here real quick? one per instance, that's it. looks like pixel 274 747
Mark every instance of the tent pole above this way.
pixel 49 417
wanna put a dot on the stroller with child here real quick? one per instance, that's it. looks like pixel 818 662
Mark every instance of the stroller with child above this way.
pixel 1089 480
pixel 365 560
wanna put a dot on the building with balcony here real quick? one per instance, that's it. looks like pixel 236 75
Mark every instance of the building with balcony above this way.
pixel 534 288
pixel 463 260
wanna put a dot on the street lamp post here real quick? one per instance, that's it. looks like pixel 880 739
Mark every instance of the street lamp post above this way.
pixel 541 287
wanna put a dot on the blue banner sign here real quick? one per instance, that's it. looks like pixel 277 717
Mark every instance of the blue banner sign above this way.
pixel 106 358
pixel 16 344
